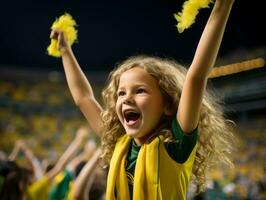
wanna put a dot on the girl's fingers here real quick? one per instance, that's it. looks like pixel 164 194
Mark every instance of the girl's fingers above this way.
pixel 59 37
pixel 55 34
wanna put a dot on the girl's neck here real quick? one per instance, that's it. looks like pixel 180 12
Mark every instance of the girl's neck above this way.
pixel 140 141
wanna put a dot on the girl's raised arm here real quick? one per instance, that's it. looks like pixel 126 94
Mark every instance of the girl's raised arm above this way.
pixel 78 84
pixel 204 59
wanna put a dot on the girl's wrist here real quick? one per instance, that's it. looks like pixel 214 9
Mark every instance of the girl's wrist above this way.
pixel 65 50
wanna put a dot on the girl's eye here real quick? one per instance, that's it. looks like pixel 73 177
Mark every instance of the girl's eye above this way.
pixel 141 90
pixel 121 93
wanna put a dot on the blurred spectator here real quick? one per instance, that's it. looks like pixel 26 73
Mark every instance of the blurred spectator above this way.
pixel 14 181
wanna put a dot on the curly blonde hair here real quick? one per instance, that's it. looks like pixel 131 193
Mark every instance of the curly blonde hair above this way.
pixel 215 132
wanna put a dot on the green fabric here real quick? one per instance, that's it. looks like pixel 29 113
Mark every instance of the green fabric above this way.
pixel 178 151
pixel 132 156
pixel 131 163
pixel 59 191
pixel 181 149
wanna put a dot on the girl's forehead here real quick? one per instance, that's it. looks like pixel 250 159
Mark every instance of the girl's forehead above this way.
pixel 136 76
pixel 135 73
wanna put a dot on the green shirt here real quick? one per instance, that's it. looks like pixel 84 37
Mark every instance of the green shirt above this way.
pixel 179 150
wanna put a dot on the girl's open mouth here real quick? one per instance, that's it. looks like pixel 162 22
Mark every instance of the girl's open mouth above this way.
pixel 131 117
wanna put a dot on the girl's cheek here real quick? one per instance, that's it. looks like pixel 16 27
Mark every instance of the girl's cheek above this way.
pixel 144 103
pixel 118 108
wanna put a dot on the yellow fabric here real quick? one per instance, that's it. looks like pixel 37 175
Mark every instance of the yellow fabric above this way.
pixel 157 176
pixel 39 190
pixel 70 195
pixel 117 174
pixel 59 177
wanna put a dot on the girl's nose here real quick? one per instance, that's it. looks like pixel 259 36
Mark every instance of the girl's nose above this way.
pixel 129 99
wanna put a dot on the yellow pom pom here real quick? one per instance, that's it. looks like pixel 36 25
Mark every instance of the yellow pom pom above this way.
pixel 66 24
pixel 189 12
pixel 52 49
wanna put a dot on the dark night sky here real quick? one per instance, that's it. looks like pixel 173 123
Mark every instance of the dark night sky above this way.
pixel 109 31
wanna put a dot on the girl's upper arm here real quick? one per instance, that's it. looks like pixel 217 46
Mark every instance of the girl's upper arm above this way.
pixel 190 103
pixel 91 109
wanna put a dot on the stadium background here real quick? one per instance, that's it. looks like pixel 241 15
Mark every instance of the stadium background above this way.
pixel 35 103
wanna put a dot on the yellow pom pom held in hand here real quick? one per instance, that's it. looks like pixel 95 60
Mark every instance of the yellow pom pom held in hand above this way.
pixel 189 12
pixel 67 25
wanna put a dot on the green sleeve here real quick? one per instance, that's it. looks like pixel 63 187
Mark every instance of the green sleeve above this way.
pixel 180 149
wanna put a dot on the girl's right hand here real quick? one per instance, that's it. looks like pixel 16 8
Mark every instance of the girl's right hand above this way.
pixel 62 43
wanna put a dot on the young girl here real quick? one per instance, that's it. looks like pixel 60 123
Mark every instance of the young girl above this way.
pixel 158 126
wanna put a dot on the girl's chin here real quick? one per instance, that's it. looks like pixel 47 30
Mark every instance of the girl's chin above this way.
pixel 139 140
pixel 131 134
pixel 134 135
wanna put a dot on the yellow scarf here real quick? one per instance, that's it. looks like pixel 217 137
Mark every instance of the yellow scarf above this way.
pixel 157 176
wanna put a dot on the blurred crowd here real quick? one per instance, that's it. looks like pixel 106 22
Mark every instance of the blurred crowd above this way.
pixel 40 112
pixel 45 144
pixel 40 126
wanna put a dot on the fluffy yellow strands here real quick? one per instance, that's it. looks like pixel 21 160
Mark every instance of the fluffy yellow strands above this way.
pixel 66 24
pixel 188 15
